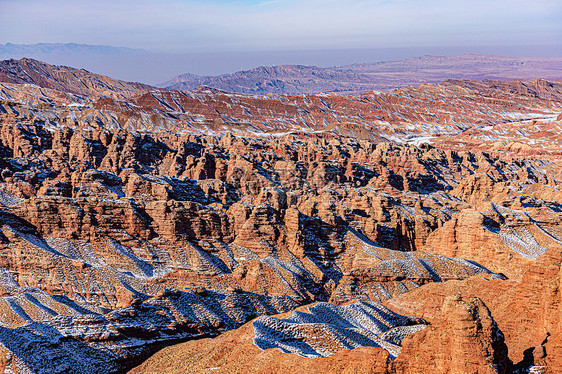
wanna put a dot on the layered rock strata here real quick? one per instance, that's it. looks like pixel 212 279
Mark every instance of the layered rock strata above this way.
pixel 124 228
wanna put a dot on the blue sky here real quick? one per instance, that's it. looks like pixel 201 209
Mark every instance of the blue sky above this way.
pixel 253 25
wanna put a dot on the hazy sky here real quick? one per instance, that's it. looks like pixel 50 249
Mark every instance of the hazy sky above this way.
pixel 250 25
pixel 215 37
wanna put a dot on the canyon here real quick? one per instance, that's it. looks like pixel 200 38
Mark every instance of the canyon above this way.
pixel 146 229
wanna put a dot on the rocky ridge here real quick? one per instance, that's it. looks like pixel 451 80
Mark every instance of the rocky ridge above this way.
pixel 504 119
pixel 67 79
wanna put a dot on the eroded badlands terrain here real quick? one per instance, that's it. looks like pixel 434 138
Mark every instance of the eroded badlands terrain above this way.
pixel 418 230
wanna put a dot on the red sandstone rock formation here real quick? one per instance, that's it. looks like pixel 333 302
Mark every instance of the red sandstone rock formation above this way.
pixel 463 339
pixel 526 310
pixel 122 225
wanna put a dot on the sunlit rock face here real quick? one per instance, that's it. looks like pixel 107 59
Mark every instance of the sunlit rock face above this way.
pixel 134 220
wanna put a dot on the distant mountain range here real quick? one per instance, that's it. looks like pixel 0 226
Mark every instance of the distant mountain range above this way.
pixel 359 78
pixel 140 65
pixel 25 50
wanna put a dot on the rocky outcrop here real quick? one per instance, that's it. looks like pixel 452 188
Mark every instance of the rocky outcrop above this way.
pixel 501 227
pixel 463 339
pixel 529 318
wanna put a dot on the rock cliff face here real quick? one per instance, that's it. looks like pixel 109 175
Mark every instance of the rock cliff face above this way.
pixel 133 222
pixel 463 339
pixel 526 310
pixel 317 227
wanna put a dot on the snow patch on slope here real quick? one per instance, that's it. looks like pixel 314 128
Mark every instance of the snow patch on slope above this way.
pixel 329 328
